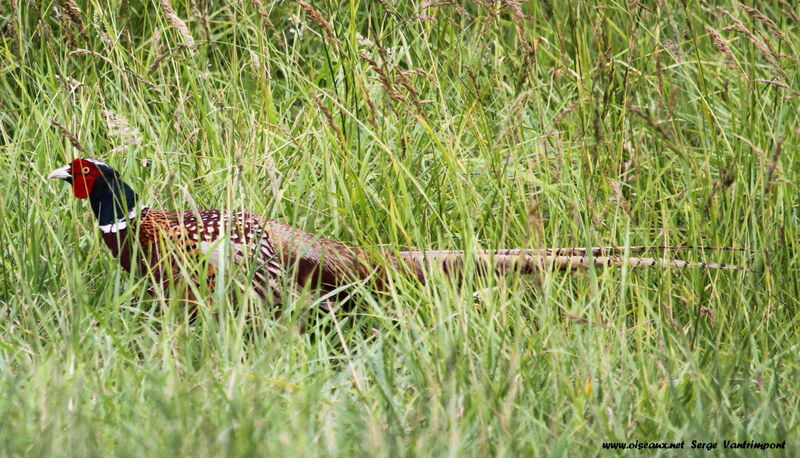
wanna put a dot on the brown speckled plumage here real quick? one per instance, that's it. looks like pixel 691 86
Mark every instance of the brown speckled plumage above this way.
pixel 169 241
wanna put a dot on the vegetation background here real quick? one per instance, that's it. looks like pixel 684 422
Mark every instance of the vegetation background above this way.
pixel 433 124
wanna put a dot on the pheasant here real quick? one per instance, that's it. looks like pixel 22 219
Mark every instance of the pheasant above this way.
pixel 157 242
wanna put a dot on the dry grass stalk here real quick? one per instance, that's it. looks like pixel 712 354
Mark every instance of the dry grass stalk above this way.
pixel 69 16
pixel 737 26
pixel 372 116
pixel 771 27
pixel 763 46
pixel 72 11
pixel 392 76
pixel 262 12
pixel 773 166
pixel 178 24
pixel 329 118
pixel 726 179
pixel 424 18
pixel 286 133
pixel 518 17
pixel 274 173
pixel 419 71
pixel 673 49
pixel 570 108
pixel 616 188
pixel 433 4
pixel 755 149
pixel 709 314
pixel 765 49
pixel 102 33
pixel 788 12
pixel 118 126
pixel 510 123
pixel 158 50
pixel 316 16
pixel 255 60
pixel 722 46
pixel 63 19
pixel 10 28
pixel 624 176
pixel 403 81
pixel 656 127
pixel 383 76
pixel 516 10
pixel 72 83
pixel 201 17
pixel 73 139
pixel 122 73
pixel 780 84
pixel 775 83
pixel 388 6
pixel 78 52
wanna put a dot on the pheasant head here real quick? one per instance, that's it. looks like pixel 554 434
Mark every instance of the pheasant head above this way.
pixel 112 201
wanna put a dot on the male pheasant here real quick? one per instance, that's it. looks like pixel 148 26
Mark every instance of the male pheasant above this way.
pixel 158 242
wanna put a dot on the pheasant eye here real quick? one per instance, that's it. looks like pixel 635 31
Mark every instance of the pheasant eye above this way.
pixel 85 170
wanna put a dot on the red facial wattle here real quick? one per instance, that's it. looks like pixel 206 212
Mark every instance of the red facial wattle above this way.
pixel 82 186
pixel 83 176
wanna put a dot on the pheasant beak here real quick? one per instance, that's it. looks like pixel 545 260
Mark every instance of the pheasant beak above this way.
pixel 62 173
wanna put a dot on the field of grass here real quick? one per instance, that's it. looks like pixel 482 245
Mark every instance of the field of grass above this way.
pixel 460 125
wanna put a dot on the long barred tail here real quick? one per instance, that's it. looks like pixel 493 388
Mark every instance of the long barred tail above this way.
pixel 534 260
pixel 595 251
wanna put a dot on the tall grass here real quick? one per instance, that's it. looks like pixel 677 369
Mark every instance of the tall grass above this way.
pixel 466 125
